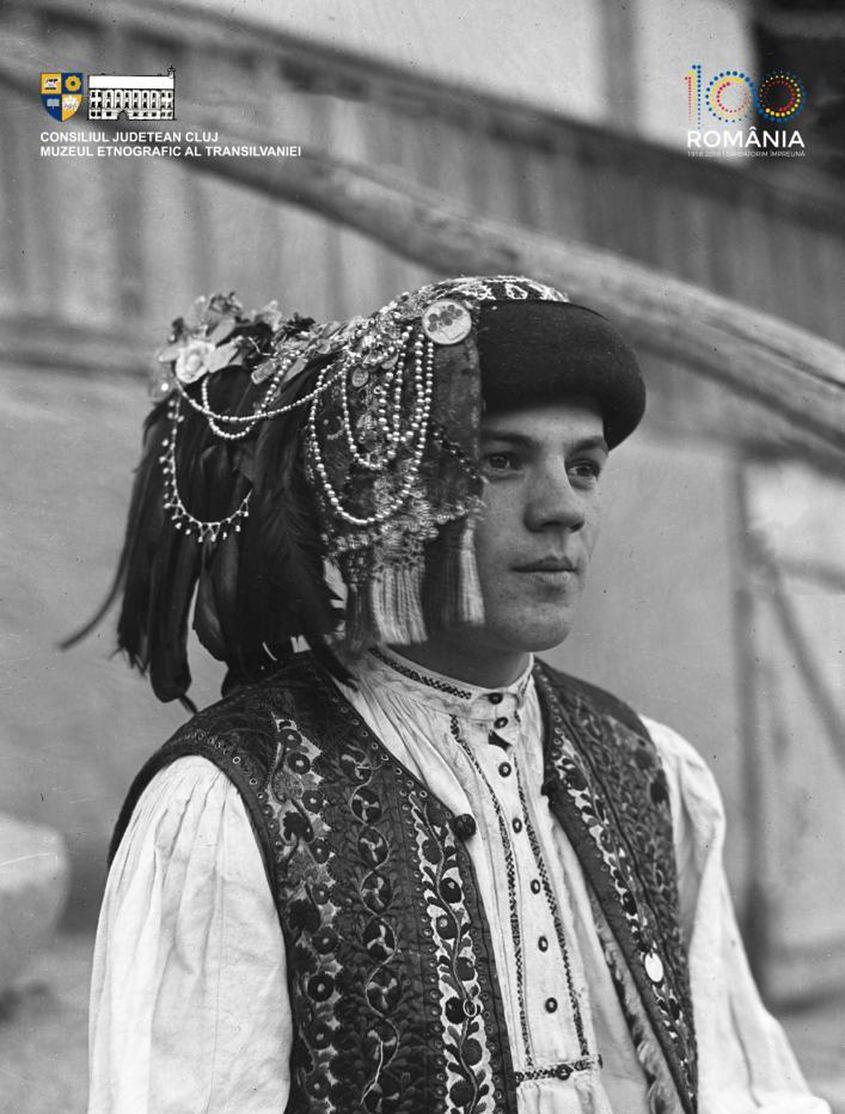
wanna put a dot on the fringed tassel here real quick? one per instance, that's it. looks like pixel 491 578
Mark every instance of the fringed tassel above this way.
pixel 470 605
pixel 396 595
pixel 451 591
pixel 358 620
pixel 401 603
pixel 387 608
pixel 662 1095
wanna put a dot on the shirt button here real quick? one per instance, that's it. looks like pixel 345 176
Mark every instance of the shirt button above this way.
pixel 535 885
pixel 551 1005
pixel 517 824
pixel 502 721
pixel 543 944
pixel 494 697
pixel 504 768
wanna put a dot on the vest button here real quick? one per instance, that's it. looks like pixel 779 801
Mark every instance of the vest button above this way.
pixel 543 944
pixel 517 824
pixel 535 885
pixel 504 768
pixel 551 1005
pixel 463 826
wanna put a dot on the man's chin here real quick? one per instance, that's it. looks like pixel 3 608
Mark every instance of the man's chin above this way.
pixel 549 641
pixel 523 633
pixel 535 638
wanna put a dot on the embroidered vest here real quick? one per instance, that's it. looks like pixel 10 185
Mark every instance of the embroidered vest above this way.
pixel 393 988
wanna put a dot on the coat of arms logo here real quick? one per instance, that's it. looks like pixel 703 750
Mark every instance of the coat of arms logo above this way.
pixel 62 94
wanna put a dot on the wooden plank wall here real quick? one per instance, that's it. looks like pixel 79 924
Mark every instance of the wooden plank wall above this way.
pixel 120 243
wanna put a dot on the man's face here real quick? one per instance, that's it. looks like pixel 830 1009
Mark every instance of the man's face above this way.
pixel 540 522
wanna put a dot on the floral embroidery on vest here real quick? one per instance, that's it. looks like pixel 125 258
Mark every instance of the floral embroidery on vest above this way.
pixel 608 790
pixel 393 990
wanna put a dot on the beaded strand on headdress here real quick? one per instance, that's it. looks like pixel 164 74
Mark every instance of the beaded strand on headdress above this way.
pixel 251 420
pixel 388 422
pixel 181 517
pixel 393 366
pixel 381 340
pixel 179 513
pixel 423 359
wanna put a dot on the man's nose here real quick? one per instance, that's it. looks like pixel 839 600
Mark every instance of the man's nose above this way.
pixel 551 500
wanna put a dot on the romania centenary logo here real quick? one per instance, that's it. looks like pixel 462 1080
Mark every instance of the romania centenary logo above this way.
pixel 762 112
pixel 732 96
pixel 62 94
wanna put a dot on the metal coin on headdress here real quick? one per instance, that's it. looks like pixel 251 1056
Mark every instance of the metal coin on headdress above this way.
pixel 446 321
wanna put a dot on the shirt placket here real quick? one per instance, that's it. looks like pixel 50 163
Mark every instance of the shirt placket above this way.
pixel 550 1012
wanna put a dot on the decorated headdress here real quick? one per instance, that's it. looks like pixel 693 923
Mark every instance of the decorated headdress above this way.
pixel 283 455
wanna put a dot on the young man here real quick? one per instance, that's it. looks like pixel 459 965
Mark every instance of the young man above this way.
pixel 411 868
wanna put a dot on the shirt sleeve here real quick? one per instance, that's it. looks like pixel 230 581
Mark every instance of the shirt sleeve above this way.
pixel 746 1065
pixel 189 1004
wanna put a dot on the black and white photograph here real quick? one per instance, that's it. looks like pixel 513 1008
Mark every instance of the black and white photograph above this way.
pixel 423 579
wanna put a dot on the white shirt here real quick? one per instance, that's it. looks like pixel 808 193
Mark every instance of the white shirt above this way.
pixel 189 1008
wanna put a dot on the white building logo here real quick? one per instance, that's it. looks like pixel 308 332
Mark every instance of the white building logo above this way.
pixel 132 96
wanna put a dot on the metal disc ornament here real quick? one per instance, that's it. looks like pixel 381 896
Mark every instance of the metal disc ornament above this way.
pixel 654 967
pixel 446 321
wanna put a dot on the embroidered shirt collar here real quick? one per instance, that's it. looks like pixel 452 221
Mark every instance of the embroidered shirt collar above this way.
pixel 498 709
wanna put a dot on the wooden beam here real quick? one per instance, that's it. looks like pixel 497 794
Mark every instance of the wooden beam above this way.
pixel 791 372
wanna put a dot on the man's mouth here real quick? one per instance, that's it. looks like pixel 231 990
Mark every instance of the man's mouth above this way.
pixel 548 564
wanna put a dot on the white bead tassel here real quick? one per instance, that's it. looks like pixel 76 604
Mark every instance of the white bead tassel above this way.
pixel 396 606
pixel 470 602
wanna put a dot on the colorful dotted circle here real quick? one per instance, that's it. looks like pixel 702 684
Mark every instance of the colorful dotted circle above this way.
pixel 722 98
pixel 780 96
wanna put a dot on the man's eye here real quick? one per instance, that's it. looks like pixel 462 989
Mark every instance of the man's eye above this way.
pixel 585 470
pixel 500 462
